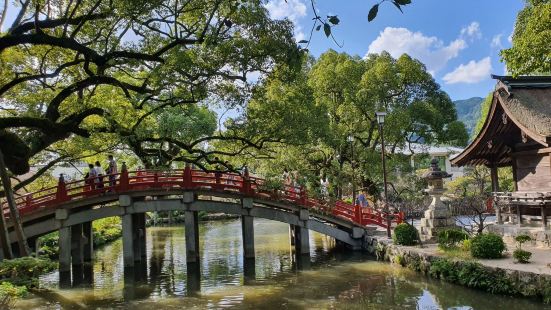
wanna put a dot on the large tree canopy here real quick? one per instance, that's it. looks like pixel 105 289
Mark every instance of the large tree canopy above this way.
pixel 129 72
pixel 531 50
pixel 336 98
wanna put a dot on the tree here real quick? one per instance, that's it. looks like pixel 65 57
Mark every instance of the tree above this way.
pixel 108 69
pixel 338 99
pixel 531 51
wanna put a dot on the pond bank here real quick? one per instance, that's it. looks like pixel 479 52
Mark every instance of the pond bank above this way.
pixel 500 276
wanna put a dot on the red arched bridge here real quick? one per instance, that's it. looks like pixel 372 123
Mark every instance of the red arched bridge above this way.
pixel 71 207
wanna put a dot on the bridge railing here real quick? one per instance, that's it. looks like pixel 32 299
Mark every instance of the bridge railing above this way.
pixel 127 181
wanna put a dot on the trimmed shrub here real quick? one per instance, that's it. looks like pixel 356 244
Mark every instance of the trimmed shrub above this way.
pixel 487 246
pixel 466 245
pixel 405 234
pixel 449 238
pixel 522 256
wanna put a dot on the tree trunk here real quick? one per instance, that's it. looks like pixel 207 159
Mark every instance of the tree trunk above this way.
pixel 4 14
pixel 14 213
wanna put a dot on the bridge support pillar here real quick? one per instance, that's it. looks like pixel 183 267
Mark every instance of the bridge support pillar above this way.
pixel 191 220
pixel 128 240
pixel 302 240
pixel 88 235
pixel 138 223
pixel 247 230
pixel 64 250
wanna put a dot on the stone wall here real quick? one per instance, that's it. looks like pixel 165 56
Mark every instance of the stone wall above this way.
pixel 509 232
pixel 498 280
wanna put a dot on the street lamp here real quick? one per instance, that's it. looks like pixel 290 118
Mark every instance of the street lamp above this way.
pixel 381 120
pixel 350 139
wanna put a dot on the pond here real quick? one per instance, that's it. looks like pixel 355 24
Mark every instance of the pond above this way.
pixel 331 278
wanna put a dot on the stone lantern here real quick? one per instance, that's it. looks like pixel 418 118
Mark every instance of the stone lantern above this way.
pixel 437 217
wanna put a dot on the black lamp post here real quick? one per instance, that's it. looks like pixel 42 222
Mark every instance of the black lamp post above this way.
pixel 381 120
pixel 351 140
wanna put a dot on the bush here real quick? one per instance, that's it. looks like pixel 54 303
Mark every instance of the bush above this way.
pixel 519 254
pixel 466 245
pixel 522 256
pixel 472 274
pixel 25 270
pixel 449 238
pixel 487 246
pixel 405 234
pixel 9 293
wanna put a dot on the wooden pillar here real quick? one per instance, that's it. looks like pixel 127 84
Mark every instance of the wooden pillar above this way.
pixel 191 220
pixel 495 188
pixel 519 216
pixel 543 218
pixel 247 230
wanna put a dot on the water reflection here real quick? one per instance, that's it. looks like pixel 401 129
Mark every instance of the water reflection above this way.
pixel 327 278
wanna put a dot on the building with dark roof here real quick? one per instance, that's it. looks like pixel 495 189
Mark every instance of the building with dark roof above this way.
pixel 517 133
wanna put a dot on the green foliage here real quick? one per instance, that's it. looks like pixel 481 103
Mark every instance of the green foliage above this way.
pixel 25 271
pixel 522 239
pixel 466 245
pixel 106 230
pixel 471 274
pixel 522 256
pixel 519 254
pixel 487 246
pixel 449 238
pixel 484 109
pixel 405 234
pixel 468 112
pixel 9 294
pixel 531 50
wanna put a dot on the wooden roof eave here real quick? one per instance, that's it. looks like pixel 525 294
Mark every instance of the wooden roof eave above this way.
pixel 463 158
pixel 533 135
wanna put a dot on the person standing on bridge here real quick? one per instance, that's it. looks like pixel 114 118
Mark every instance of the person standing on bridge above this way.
pixel 91 176
pixel 112 170
pixel 362 200
pixel 100 173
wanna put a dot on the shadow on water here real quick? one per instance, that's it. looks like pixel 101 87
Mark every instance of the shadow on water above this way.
pixel 329 277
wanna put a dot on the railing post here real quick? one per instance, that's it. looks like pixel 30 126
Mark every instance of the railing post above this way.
pixel 188 181
pixel 61 193
pixel 246 189
pixel 303 196
pixel 358 214
pixel 217 177
pixel 155 178
pixel 123 181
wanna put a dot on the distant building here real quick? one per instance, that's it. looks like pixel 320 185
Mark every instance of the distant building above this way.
pixel 422 154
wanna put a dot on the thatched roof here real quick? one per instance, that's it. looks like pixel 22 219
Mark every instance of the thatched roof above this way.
pixel 520 115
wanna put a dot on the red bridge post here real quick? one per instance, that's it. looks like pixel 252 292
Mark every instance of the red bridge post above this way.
pixel 358 214
pixel 61 193
pixel 246 188
pixel 123 181
pixel 303 196
pixel 188 181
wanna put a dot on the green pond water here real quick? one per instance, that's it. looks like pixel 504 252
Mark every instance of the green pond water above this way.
pixel 331 279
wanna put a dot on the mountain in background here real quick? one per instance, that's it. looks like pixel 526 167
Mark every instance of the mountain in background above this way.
pixel 468 111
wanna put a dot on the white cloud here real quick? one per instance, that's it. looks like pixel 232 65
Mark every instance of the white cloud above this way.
pixel 472 31
pixel 429 50
pixel 496 41
pixel 472 72
pixel 292 9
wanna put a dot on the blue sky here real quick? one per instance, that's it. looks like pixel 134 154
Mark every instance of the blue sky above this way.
pixel 459 41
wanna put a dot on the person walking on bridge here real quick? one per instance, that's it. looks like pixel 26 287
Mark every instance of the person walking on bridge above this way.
pixel 112 170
